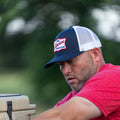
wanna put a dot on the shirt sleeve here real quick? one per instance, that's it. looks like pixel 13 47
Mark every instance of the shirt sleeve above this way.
pixel 66 98
pixel 103 89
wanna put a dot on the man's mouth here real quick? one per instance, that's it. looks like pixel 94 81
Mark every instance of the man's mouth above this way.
pixel 71 80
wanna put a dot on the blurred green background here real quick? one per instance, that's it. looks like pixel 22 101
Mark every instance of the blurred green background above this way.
pixel 27 31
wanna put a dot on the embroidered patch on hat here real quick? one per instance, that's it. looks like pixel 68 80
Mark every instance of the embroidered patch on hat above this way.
pixel 60 44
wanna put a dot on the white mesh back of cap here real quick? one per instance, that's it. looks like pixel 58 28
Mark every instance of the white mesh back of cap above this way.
pixel 86 38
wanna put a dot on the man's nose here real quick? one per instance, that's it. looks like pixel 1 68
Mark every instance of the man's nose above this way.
pixel 66 69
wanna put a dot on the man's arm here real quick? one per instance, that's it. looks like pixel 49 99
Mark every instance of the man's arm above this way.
pixel 77 108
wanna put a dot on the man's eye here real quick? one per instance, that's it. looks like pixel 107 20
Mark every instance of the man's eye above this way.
pixel 69 61
pixel 60 63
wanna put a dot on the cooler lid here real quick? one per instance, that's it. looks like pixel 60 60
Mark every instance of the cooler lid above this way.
pixel 19 102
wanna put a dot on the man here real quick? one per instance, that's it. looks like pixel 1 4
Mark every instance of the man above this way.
pixel 95 85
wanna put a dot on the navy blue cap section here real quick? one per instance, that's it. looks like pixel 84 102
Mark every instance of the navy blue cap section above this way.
pixel 72 48
pixel 71 42
pixel 62 58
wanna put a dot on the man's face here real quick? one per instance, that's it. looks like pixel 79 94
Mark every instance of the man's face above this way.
pixel 78 70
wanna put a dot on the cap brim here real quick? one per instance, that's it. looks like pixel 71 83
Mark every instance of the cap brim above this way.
pixel 62 58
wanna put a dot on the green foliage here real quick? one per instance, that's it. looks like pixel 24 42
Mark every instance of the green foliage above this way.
pixel 111 51
pixel 32 49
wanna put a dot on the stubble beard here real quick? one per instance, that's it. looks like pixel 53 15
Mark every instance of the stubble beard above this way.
pixel 86 76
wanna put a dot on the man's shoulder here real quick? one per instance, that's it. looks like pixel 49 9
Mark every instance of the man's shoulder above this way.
pixel 108 70
pixel 109 67
pixel 108 74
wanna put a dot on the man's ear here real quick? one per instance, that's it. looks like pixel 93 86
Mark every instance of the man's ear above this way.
pixel 96 54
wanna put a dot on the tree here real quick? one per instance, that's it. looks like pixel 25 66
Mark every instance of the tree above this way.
pixel 31 45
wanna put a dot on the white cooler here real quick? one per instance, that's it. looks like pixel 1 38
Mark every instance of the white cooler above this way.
pixel 15 107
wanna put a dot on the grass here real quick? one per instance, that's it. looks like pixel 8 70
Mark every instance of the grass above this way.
pixel 18 82
pixel 15 82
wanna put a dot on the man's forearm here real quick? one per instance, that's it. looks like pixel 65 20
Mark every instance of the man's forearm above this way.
pixel 77 108
pixel 51 114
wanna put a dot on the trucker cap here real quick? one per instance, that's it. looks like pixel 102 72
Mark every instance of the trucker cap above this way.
pixel 72 42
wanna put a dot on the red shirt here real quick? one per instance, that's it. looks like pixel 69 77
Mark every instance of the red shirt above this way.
pixel 102 89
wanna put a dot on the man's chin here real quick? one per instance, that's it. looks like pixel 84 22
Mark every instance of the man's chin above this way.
pixel 77 89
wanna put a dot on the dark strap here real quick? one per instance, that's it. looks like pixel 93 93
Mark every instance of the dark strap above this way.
pixel 9 109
